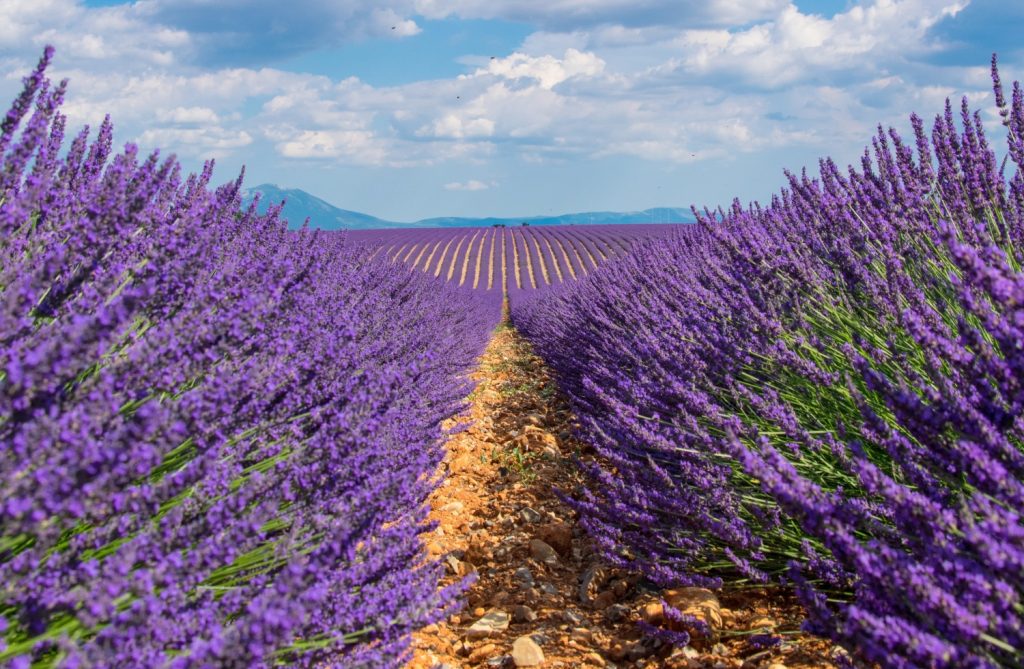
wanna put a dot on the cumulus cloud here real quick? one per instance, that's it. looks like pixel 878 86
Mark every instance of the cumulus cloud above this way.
pixel 86 35
pixel 359 146
pixel 471 185
pixel 187 115
pixel 548 71
pixel 668 82
pixel 794 46
pixel 203 143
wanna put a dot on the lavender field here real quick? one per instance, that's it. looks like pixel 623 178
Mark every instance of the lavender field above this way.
pixel 218 437
pixel 508 259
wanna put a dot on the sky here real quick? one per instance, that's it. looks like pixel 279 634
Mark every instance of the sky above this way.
pixel 407 109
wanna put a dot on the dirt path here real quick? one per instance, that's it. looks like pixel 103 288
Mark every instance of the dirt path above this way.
pixel 541 593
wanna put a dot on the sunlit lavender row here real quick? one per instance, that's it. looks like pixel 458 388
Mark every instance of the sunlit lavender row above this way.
pixel 217 435
pixel 826 391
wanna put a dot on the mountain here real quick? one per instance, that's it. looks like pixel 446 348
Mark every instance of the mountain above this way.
pixel 300 204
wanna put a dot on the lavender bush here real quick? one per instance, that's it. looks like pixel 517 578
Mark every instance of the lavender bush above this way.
pixel 217 435
pixel 826 391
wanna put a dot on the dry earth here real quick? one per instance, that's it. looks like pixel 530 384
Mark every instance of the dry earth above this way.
pixel 542 597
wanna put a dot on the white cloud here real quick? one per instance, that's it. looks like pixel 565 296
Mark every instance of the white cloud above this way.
pixel 548 71
pixel 451 125
pixel 795 46
pixel 391 23
pixel 187 115
pixel 356 144
pixel 203 143
pixel 102 34
pixel 471 185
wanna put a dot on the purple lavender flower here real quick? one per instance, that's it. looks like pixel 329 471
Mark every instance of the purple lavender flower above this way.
pixel 218 436
pixel 824 391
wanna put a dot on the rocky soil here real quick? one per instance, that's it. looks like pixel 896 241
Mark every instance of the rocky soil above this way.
pixel 541 596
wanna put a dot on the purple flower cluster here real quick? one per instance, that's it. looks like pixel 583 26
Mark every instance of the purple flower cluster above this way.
pixel 216 436
pixel 826 391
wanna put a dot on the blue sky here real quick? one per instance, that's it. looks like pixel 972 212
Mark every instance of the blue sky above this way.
pixel 407 109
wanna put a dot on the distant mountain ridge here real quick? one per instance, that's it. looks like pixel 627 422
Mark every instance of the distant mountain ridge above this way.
pixel 300 205
pixel 324 215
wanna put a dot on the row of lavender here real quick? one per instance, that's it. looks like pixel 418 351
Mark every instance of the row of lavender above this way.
pixel 508 260
pixel 217 435
pixel 827 391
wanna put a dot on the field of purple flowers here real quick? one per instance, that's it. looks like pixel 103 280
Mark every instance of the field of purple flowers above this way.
pixel 216 436
pixel 826 391
pixel 510 261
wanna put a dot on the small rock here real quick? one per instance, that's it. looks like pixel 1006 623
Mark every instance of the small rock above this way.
pixel 501 661
pixel 491 623
pixel 582 634
pixel 604 600
pixel 534 419
pixel 541 551
pixel 525 578
pixel 840 654
pixel 453 507
pixel 777 665
pixel 616 613
pixel 528 515
pixel 477 553
pixel 482 653
pixel 479 611
pixel 556 535
pixel 526 652
pixel 523 614
pixel 763 622
pixel 572 618
pixel 594 658
pixel 548 589
pixel 458 567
